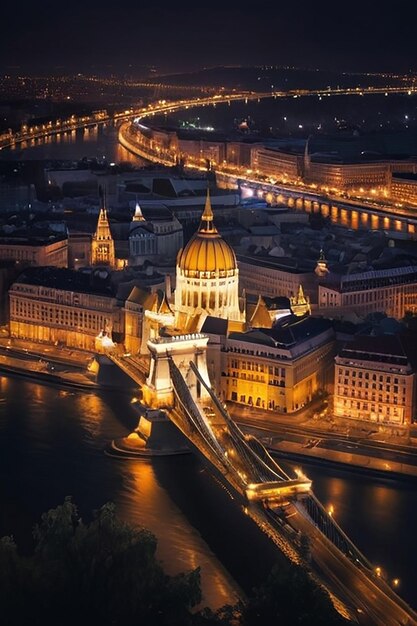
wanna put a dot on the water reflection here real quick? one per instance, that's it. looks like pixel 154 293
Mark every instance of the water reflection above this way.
pixel 93 142
pixel 51 446
pixel 180 546
pixel 379 516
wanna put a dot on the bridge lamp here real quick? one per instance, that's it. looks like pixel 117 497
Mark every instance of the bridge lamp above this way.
pixel 378 571
pixel 331 510
pixel 396 582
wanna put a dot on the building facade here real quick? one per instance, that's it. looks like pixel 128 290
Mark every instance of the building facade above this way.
pixel 392 291
pixel 375 381
pixel 273 277
pixel 156 239
pixel 33 250
pixel 280 369
pixel 404 188
pixel 63 306
pixel 277 164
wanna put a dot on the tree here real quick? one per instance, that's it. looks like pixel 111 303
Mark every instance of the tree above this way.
pixel 103 573
pixel 106 573
pixel 289 597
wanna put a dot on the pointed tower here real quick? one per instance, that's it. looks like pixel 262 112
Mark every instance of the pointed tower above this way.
pixel 300 304
pixel 102 245
pixel 207 273
pixel 138 215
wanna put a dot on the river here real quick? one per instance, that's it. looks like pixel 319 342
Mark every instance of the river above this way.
pixel 52 445
pixel 96 142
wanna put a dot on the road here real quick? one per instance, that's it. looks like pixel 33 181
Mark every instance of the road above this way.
pixel 274 433
pixel 375 601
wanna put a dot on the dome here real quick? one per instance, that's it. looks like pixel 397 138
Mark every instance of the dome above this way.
pixel 207 251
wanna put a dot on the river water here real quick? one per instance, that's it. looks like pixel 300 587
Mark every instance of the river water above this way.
pixel 96 142
pixel 52 445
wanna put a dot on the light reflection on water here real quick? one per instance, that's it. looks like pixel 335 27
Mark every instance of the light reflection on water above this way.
pixel 51 445
pixel 95 142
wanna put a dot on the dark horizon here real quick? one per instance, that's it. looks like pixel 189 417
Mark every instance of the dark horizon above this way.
pixel 125 37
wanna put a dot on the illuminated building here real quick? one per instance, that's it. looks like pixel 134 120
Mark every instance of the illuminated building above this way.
pixel 240 153
pixel 207 275
pixel 374 381
pixel 278 368
pixel 341 172
pixel 102 245
pixel 139 301
pixel 276 163
pixel 33 249
pixel 63 306
pixel 145 313
pixel 392 291
pixel 276 276
pixel 404 188
pixel 342 175
pixel 156 239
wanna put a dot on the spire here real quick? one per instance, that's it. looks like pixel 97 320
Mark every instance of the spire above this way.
pixel 206 224
pixel 138 216
pixel 208 211
pixel 300 304
pixel 301 299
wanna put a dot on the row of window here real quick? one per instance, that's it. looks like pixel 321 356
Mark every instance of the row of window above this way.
pixel 386 378
pixel 373 408
pixel 343 391
pixel 69 318
pixel 368 385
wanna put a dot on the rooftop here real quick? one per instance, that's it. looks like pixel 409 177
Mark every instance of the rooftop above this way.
pixel 288 334
pixel 95 282
pixel 382 348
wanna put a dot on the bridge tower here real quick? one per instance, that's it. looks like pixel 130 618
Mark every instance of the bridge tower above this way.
pixel 158 390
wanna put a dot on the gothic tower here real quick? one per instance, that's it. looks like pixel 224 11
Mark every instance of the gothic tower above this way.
pixel 102 245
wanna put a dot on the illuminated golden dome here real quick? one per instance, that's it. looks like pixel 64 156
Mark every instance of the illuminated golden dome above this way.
pixel 207 252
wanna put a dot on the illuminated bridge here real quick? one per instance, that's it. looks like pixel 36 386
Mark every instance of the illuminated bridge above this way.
pixel 282 505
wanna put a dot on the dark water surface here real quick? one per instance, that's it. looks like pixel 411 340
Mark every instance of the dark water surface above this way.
pixel 52 445
pixel 96 142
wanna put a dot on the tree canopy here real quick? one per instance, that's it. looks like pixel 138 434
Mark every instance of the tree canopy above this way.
pixel 107 573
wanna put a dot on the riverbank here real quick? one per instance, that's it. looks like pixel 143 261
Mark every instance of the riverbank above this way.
pixel 357 454
pixel 359 463
pixel 47 364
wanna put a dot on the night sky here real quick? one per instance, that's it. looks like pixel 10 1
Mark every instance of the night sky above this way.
pixel 123 36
